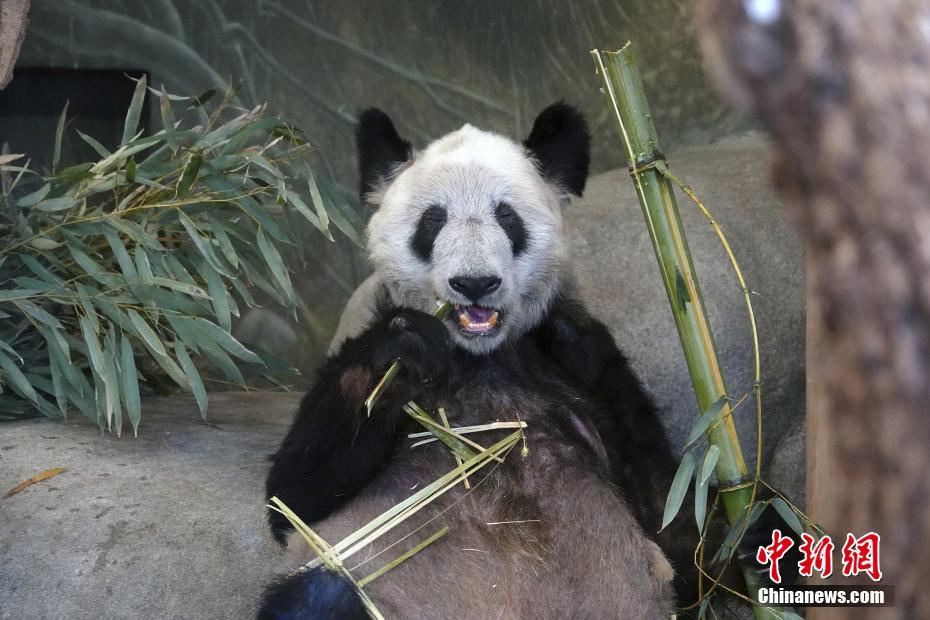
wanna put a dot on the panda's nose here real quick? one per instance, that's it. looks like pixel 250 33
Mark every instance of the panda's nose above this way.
pixel 473 287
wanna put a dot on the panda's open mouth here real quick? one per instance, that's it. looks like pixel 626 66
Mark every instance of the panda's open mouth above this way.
pixel 476 320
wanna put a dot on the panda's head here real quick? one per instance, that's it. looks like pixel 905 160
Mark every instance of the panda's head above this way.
pixel 474 219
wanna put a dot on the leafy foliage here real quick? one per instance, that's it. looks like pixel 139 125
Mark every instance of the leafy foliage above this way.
pixel 117 274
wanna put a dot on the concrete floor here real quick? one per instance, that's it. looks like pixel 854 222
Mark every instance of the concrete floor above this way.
pixel 168 525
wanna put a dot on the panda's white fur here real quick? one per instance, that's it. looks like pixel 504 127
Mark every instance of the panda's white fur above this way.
pixel 468 172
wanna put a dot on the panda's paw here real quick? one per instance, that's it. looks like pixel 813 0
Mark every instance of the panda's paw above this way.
pixel 421 341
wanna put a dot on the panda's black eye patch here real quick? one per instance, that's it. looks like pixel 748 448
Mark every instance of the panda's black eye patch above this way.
pixel 431 222
pixel 512 224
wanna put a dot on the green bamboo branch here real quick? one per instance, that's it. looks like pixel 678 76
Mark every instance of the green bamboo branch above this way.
pixel 627 102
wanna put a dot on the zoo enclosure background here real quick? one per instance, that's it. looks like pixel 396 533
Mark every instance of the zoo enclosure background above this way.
pixel 432 65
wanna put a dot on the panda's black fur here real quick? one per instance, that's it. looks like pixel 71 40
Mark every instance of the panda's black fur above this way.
pixel 590 428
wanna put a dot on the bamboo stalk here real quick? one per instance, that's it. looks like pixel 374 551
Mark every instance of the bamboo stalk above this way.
pixel 627 102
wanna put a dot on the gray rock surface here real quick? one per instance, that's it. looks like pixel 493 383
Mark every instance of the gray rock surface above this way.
pixel 616 272
pixel 619 278
pixel 169 525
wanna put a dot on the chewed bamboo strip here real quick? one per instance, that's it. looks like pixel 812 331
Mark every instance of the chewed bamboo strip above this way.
pixel 403 557
pixel 455 443
pixel 394 368
pixel 333 557
pixel 326 554
pixel 394 516
pixel 465 430
pixel 458 459
pixel 448 437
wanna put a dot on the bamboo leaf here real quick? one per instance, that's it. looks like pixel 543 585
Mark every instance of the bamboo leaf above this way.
pixel 244 293
pixel 173 370
pixel 202 98
pixel 38 269
pixel 56 204
pixel 58 387
pixel 101 150
pixel 297 202
pixel 729 545
pixel 93 345
pixel 193 377
pixel 131 171
pixel 342 214
pixel 58 347
pixel 275 263
pixel 164 93
pixel 34 197
pixel 131 125
pixel 222 361
pixel 167 118
pixel 86 262
pixel 135 232
pixel 786 513
pixel 189 177
pixel 11 350
pixel 222 239
pixel 38 314
pixel 130 381
pixel 224 339
pixel 143 266
pixel 318 204
pixel 151 339
pixel 84 295
pixel 710 460
pixel 59 132
pixel 248 204
pixel 702 610
pixel 202 244
pixel 111 384
pixel 678 489
pixel 700 503
pixel 13 376
pixel 44 243
pixel 705 420
pixel 119 252
pixel 219 295
pixel 702 483
pixel 190 289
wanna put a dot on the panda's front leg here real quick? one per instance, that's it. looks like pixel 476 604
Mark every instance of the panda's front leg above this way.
pixel 334 448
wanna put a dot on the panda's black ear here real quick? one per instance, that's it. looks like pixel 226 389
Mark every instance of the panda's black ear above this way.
pixel 380 149
pixel 561 144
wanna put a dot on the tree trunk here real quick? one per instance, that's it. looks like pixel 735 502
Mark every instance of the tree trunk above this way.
pixel 843 86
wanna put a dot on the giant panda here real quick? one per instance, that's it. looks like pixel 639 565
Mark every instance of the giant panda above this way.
pixel 475 219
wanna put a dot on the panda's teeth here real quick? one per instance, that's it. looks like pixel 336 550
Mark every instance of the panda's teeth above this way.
pixel 469 324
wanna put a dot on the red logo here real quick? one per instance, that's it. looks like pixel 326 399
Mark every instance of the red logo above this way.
pixel 774 552
pixel 817 556
pixel 860 555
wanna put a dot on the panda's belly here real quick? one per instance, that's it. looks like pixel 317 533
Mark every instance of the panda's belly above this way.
pixel 542 534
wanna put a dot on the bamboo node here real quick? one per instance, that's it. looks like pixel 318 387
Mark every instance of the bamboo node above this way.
pixel 736 487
